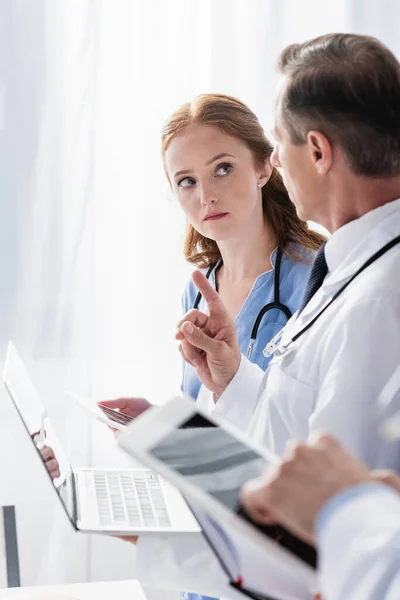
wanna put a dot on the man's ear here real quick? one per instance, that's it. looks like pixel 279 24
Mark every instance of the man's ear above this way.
pixel 320 150
pixel 264 173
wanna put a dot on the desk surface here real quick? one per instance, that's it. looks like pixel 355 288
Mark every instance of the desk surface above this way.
pixel 108 590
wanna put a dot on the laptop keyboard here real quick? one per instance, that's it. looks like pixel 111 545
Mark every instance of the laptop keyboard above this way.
pixel 130 497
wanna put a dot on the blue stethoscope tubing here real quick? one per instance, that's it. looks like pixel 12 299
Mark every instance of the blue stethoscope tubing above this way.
pixel 275 304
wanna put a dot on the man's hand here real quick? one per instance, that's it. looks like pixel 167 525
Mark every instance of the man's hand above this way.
pixel 209 342
pixel 294 493
pixel 389 478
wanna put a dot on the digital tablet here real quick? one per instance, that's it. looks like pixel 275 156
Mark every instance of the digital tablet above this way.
pixel 209 461
pixel 109 416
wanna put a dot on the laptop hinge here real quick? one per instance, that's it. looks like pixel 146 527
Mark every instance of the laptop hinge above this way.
pixel 77 514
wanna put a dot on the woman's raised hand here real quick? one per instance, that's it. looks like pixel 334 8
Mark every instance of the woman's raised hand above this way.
pixel 209 342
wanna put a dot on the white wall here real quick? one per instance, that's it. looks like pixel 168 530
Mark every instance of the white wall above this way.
pixel 90 246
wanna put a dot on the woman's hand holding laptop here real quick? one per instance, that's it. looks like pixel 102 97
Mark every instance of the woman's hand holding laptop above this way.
pixel 50 461
pixel 47 454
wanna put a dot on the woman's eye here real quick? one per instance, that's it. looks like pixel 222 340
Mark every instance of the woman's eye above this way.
pixel 186 182
pixel 224 169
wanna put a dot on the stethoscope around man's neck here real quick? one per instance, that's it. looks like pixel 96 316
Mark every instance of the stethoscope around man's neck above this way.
pixel 275 304
pixel 276 345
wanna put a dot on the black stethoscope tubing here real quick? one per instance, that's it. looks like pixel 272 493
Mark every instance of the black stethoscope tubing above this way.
pixel 369 262
pixel 277 304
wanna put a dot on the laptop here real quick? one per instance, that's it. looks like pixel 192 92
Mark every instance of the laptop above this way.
pixel 111 501
pixel 209 461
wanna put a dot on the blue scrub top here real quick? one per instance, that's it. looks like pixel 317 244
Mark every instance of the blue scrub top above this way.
pixel 293 280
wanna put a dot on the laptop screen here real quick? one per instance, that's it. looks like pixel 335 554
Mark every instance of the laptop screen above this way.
pixel 40 430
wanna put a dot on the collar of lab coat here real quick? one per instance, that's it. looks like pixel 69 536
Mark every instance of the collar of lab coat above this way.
pixel 345 252
pixel 354 243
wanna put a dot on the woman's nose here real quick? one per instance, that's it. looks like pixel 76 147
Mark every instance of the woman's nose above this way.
pixel 207 196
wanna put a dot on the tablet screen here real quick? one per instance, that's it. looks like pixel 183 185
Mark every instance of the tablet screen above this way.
pixel 214 460
pixel 211 458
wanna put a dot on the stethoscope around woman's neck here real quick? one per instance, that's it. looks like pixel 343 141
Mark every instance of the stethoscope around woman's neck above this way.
pixel 275 304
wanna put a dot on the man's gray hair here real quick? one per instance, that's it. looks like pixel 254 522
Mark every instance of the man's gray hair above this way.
pixel 347 87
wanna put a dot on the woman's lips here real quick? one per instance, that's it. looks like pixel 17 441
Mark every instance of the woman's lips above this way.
pixel 214 217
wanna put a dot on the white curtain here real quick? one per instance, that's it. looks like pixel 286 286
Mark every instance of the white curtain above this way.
pixel 90 241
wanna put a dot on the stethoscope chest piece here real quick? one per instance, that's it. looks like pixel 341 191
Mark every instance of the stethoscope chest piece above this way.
pixel 275 305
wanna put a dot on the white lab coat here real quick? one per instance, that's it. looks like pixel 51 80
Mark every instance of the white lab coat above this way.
pixel 327 380
pixel 359 545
